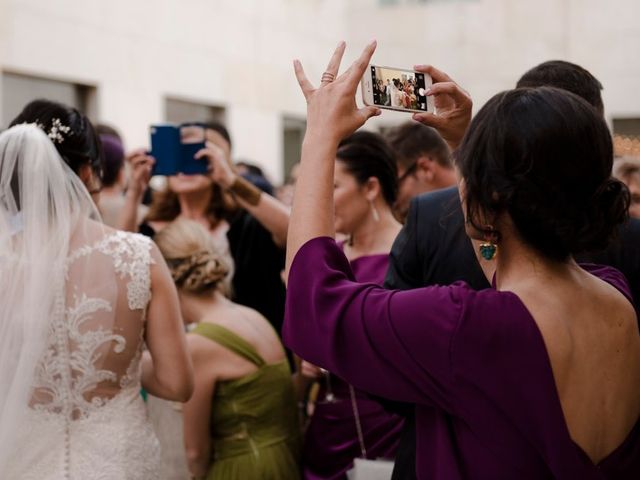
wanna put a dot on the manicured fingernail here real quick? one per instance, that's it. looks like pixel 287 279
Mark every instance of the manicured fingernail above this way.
pixel 373 42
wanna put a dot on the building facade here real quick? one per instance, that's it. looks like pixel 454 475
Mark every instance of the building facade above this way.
pixel 133 63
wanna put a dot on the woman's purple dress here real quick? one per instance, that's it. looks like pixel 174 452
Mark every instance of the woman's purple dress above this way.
pixel 474 363
pixel 331 441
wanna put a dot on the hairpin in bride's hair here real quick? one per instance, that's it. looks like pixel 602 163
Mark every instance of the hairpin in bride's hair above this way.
pixel 56 130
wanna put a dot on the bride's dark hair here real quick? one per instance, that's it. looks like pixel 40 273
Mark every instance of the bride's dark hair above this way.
pixel 70 131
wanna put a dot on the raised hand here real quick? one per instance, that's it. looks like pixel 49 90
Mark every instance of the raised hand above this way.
pixel 141 166
pixel 332 112
pixel 220 170
pixel 453 107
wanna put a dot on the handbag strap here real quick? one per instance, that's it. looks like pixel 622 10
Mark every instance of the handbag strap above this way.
pixel 356 415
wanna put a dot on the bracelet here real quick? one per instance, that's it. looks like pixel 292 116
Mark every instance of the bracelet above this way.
pixel 246 190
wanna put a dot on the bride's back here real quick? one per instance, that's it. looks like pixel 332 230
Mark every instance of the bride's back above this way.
pixel 94 345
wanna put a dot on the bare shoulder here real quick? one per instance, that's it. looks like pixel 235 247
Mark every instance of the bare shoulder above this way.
pixel 254 328
pixel 157 225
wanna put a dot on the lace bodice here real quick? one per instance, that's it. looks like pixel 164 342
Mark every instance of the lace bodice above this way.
pixel 96 338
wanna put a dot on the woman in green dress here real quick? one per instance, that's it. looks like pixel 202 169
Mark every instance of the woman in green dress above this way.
pixel 241 421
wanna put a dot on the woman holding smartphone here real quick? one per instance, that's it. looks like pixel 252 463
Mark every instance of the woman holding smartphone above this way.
pixel 535 378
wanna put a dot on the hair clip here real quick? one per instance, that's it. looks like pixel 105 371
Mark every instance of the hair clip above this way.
pixel 56 131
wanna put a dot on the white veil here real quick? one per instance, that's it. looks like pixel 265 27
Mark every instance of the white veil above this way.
pixel 42 203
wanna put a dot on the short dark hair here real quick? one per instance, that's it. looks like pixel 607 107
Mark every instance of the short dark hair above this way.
pixel 544 156
pixel 367 154
pixel 218 127
pixel 81 146
pixel 566 76
pixel 412 139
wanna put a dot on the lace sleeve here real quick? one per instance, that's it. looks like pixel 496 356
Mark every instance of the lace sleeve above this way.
pixel 132 260
pixel 139 287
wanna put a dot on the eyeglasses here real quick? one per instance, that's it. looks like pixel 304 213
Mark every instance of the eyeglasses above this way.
pixel 408 172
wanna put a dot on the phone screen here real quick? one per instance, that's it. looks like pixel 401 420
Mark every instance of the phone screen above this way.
pixel 398 88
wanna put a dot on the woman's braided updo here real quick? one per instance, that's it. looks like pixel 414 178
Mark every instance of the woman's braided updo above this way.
pixel 197 265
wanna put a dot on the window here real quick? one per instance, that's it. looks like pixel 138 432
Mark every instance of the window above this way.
pixel 18 90
pixel 293 134
pixel 181 111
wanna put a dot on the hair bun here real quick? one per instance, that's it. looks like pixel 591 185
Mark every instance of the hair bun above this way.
pixel 198 272
pixel 609 207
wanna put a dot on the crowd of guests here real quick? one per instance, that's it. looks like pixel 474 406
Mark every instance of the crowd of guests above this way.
pixel 170 307
pixel 396 92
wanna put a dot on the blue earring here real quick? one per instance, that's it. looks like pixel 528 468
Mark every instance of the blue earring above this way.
pixel 489 248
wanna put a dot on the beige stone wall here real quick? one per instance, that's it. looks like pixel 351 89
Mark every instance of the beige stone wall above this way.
pixel 237 54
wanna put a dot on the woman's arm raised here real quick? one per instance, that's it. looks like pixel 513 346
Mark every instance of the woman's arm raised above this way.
pixel 332 114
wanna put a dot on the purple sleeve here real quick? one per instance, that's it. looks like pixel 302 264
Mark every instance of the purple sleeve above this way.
pixel 395 344
pixel 610 275
pixel 615 278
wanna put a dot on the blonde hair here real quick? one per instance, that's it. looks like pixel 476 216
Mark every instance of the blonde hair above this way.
pixel 197 265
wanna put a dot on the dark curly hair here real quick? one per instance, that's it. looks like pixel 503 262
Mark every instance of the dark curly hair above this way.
pixel 544 156
pixel 367 154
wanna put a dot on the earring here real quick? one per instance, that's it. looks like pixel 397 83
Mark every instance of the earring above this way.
pixel 489 248
pixel 374 211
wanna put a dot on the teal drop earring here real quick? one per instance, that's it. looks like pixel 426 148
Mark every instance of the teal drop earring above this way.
pixel 489 248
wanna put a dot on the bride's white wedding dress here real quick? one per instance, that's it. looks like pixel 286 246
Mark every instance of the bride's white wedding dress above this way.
pixel 86 418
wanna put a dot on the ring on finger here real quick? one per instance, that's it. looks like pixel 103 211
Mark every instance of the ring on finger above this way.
pixel 328 77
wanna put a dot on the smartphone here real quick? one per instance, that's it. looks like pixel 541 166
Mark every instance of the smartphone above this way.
pixel 174 148
pixel 397 89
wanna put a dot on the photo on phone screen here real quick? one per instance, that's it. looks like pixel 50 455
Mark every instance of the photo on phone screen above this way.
pixel 401 89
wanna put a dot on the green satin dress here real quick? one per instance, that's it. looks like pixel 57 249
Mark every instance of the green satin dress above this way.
pixel 254 423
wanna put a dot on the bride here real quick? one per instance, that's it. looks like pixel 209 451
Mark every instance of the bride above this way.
pixel 80 301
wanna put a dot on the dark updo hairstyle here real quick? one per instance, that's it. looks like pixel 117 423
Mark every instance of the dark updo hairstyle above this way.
pixel 78 147
pixel 367 154
pixel 544 156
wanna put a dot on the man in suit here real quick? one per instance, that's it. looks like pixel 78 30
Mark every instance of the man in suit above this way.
pixel 433 248
pixel 424 163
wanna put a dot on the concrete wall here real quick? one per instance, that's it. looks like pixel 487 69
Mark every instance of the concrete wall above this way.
pixel 237 54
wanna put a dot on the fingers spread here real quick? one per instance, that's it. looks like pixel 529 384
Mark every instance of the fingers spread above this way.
pixel 303 81
pixel 336 58
pixel 355 72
